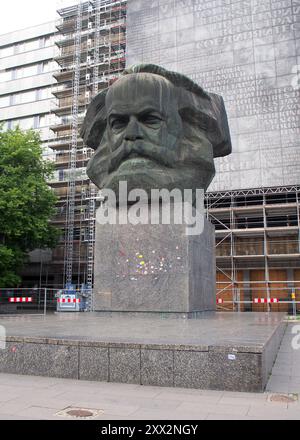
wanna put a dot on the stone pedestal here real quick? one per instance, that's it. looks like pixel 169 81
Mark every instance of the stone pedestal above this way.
pixel 154 268
pixel 219 351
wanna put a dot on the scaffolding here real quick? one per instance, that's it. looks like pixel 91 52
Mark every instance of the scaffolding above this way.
pixel 91 40
pixel 257 246
pixel 68 267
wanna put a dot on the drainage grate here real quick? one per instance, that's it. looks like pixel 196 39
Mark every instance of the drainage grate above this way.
pixel 283 398
pixel 79 413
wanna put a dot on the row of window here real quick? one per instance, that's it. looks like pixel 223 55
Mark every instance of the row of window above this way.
pixel 43 121
pixel 68 119
pixel 64 175
pixel 30 70
pixel 34 122
pixel 26 46
pixel 25 97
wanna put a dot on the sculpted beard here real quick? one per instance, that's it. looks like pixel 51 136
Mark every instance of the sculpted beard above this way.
pixel 165 168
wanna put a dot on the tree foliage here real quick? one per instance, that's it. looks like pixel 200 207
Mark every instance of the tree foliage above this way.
pixel 26 202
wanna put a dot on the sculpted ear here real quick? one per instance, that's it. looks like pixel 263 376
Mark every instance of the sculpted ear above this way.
pixel 209 115
pixel 222 145
pixel 94 123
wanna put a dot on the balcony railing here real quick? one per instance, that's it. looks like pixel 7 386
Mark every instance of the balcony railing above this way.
pixel 283 247
pixel 63 158
pixel 257 248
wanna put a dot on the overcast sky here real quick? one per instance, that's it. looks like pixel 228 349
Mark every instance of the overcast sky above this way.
pixel 20 14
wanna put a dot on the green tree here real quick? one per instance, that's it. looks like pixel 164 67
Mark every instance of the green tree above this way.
pixel 26 202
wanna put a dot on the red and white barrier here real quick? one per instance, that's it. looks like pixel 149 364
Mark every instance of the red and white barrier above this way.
pixel 20 300
pixel 256 301
pixel 265 300
pixel 68 300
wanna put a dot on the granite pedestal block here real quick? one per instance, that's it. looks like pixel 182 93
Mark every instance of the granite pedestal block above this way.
pixel 154 268
pixel 220 351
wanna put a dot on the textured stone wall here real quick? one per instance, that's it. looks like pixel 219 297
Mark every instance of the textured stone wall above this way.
pixel 154 268
pixel 247 51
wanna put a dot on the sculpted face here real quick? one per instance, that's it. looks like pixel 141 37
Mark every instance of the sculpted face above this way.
pixel 154 135
pixel 143 128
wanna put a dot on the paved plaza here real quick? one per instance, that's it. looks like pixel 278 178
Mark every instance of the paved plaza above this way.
pixel 28 397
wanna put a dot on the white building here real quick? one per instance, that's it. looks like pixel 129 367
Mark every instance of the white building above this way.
pixel 26 78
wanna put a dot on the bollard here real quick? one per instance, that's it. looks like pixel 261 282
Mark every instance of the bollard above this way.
pixel 293 296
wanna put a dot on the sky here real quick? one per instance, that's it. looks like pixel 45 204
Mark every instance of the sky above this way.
pixel 20 14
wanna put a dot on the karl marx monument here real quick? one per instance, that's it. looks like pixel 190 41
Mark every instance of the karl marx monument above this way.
pixel 154 130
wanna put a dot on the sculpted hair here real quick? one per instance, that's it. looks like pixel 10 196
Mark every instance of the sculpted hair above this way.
pixel 199 109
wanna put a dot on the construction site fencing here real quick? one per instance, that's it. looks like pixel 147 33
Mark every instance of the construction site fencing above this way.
pixel 40 301
pixel 20 301
pixel 258 299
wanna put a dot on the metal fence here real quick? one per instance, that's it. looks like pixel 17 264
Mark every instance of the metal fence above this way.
pixel 258 299
pixel 26 301
pixel 39 301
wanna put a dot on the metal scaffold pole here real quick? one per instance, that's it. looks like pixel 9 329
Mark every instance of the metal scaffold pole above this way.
pixel 92 191
pixel 68 263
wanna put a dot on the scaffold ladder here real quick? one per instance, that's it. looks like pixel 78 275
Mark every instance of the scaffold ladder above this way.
pixel 96 47
pixel 90 250
pixel 68 266
pixel 92 191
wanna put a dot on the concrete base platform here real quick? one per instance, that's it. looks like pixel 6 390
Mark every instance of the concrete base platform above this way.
pixel 220 351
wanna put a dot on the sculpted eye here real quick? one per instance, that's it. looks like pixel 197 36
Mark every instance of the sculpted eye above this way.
pixel 118 123
pixel 151 119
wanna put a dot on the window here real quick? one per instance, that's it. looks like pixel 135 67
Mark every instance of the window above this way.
pixel 18 73
pixel 24 123
pixel 14 73
pixel 4 101
pixel 44 93
pixel 31 45
pixel 60 175
pixel 36 122
pixel 77 234
pixel 28 96
pixel 38 94
pixel 23 72
pixel 40 68
pixel 23 98
pixel 49 66
pixel 14 100
pixel 19 48
pixel 47 120
pixel 41 42
pixel 6 51
pixel 14 123
pixel 47 41
pixel 5 75
pixel 30 70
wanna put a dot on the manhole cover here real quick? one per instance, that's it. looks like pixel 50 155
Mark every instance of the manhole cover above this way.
pixel 79 413
pixel 283 398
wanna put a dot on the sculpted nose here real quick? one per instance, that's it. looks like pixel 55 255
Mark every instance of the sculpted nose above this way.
pixel 133 130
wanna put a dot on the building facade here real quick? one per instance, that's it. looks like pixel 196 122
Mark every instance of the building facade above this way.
pixel 26 78
pixel 26 100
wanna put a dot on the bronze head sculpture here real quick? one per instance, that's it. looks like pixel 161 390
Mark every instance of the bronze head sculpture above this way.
pixel 155 129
